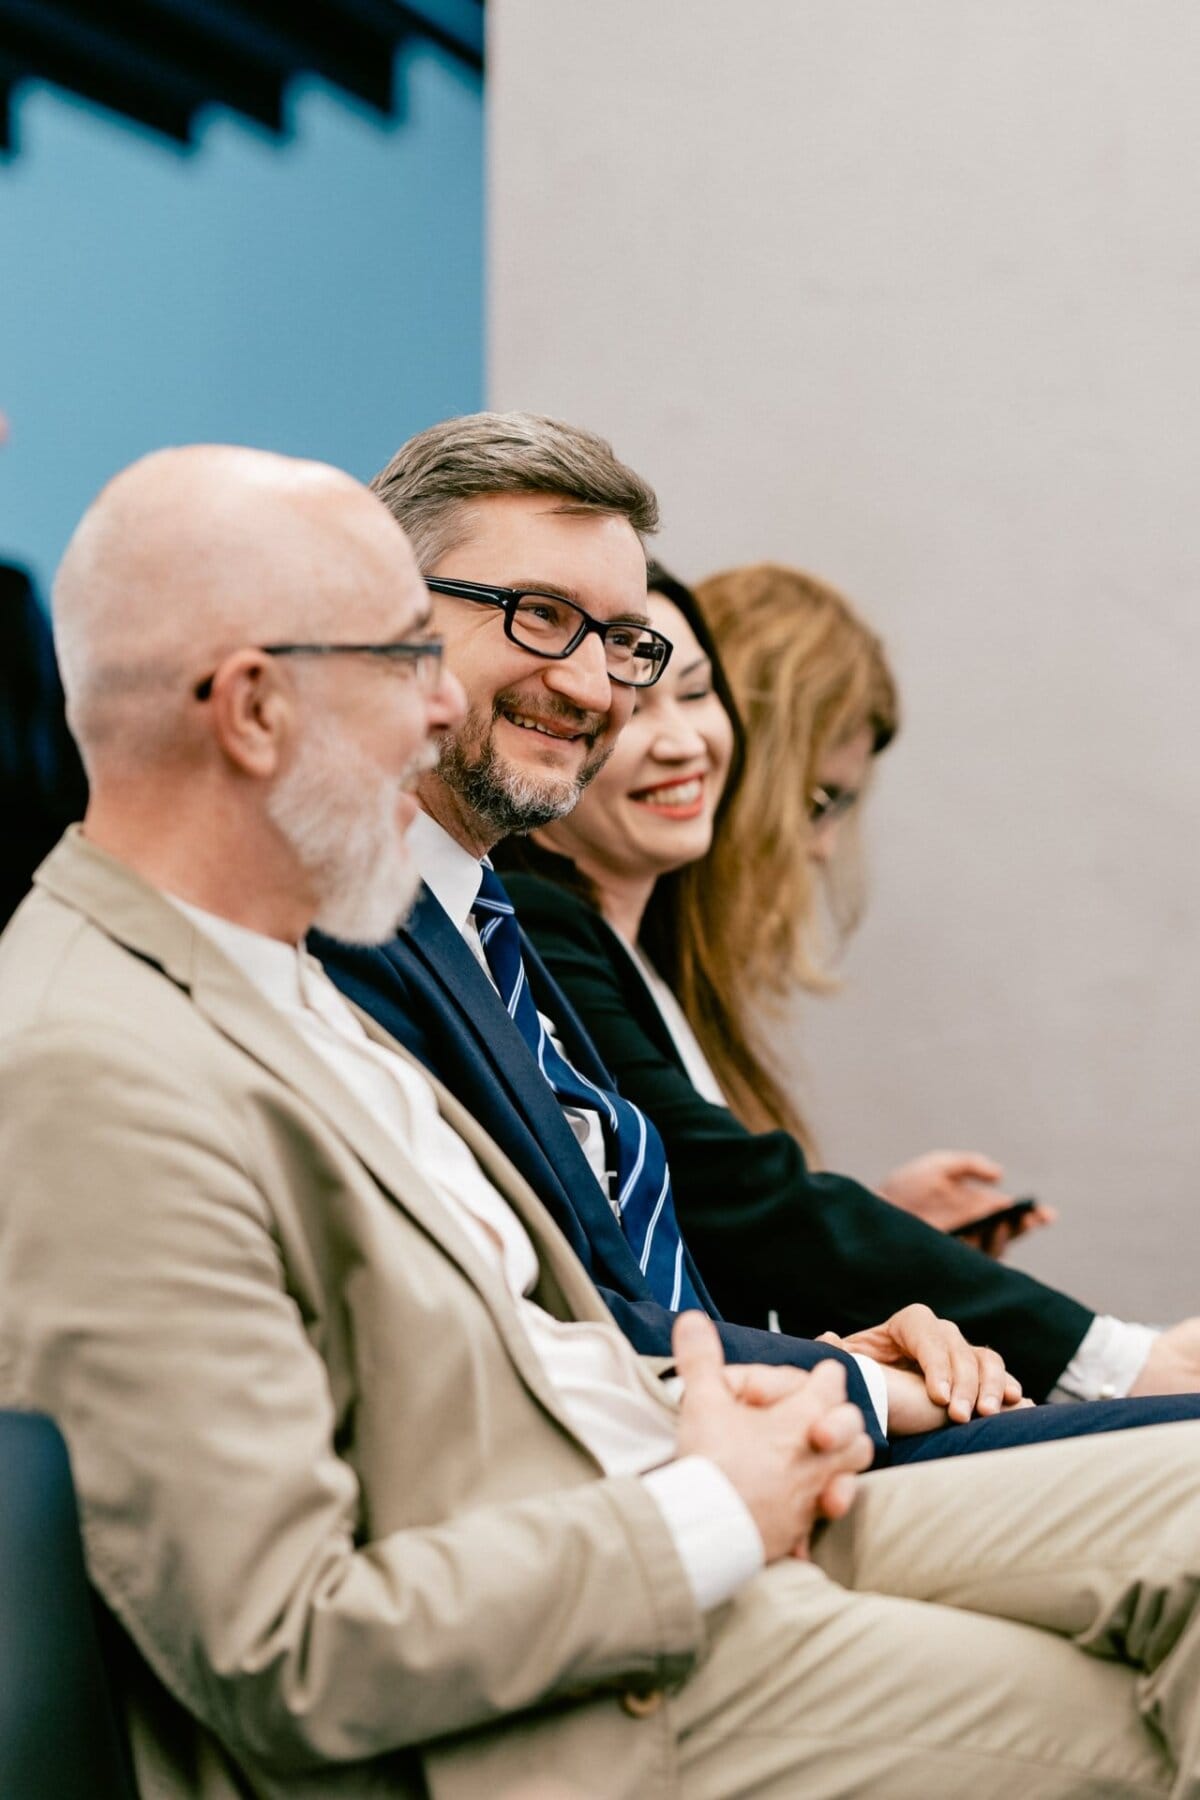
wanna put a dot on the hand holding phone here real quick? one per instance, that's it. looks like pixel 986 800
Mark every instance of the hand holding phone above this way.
pixel 994 1230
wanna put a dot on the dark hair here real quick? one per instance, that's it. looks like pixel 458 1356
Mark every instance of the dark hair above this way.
pixel 661 581
pixel 660 935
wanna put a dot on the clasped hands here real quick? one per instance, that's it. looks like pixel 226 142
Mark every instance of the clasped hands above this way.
pixel 789 1440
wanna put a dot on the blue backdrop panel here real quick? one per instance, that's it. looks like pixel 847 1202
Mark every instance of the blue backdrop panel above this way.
pixel 322 296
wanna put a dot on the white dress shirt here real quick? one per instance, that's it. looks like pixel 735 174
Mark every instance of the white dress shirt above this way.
pixel 452 875
pixel 696 1065
pixel 591 1367
pixel 1107 1363
pixel 1112 1352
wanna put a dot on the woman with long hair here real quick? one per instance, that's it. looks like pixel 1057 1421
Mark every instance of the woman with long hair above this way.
pixel 615 897
pixel 783 887
pixel 731 899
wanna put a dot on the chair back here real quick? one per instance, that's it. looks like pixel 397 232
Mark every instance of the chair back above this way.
pixel 59 1730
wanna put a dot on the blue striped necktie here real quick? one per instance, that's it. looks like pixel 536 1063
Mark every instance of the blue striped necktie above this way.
pixel 647 1211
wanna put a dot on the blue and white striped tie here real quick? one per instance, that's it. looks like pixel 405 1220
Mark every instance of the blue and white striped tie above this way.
pixel 646 1207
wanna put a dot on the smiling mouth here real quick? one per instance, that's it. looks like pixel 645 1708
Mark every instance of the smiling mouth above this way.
pixel 679 799
pixel 557 733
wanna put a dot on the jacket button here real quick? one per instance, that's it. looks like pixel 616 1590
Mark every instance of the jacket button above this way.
pixel 642 1704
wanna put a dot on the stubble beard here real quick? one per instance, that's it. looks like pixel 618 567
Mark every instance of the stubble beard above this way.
pixel 508 801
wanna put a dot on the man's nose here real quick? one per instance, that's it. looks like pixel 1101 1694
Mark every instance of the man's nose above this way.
pixel 582 677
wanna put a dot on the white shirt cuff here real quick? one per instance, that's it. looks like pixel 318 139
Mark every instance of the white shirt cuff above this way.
pixel 876 1382
pixel 1107 1362
pixel 717 1539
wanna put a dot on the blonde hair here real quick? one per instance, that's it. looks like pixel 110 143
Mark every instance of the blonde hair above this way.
pixel 807 675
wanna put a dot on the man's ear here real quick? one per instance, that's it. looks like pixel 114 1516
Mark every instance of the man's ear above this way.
pixel 252 712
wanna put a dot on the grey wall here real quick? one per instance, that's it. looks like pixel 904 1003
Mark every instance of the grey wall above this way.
pixel 908 292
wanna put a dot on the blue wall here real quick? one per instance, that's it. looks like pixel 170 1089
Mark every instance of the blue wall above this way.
pixel 321 296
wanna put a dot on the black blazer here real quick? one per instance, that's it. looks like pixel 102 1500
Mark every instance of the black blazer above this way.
pixel 822 1251
pixel 427 989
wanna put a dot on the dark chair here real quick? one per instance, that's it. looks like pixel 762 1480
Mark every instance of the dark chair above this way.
pixel 42 784
pixel 59 1734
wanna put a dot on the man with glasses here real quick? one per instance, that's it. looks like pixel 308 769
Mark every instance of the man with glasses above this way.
pixel 529 535
pixel 540 595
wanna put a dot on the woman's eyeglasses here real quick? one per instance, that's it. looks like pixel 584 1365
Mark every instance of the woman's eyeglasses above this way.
pixel 825 804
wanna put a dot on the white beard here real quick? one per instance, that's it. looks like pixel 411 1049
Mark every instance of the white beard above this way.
pixel 337 812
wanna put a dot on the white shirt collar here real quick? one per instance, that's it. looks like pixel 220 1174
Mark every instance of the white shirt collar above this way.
pixel 451 873
pixel 272 966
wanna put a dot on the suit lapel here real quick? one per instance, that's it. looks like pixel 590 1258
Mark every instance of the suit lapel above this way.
pixel 564 1288
pixel 235 1007
pixel 431 936
pixel 150 927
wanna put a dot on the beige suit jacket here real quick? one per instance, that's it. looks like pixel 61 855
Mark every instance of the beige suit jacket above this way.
pixel 327 1489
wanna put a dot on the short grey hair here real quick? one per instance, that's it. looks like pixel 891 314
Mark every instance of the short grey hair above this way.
pixel 431 480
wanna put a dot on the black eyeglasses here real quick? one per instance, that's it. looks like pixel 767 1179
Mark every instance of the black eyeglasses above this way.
pixel 825 804
pixel 547 625
pixel 423 659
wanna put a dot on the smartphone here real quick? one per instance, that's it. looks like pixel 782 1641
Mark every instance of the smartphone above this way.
pixel 1004 1215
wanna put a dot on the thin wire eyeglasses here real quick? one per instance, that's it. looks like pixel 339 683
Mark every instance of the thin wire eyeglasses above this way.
pixel 825 805
pixel 423 658
pixel 549 625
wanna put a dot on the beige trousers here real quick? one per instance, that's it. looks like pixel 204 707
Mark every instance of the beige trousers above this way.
pixel 1025 1623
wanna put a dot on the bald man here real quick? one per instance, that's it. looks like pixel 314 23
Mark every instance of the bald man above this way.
pixel 382 1501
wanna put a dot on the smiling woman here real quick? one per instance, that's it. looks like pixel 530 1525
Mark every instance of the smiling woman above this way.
pixel 636 847
pixel 650 810
pixel 731 878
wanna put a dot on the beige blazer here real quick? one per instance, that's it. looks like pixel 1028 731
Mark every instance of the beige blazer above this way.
pixel 326 1488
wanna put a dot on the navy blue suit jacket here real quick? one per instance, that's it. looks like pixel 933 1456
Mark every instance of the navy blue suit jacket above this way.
pixel 428 991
